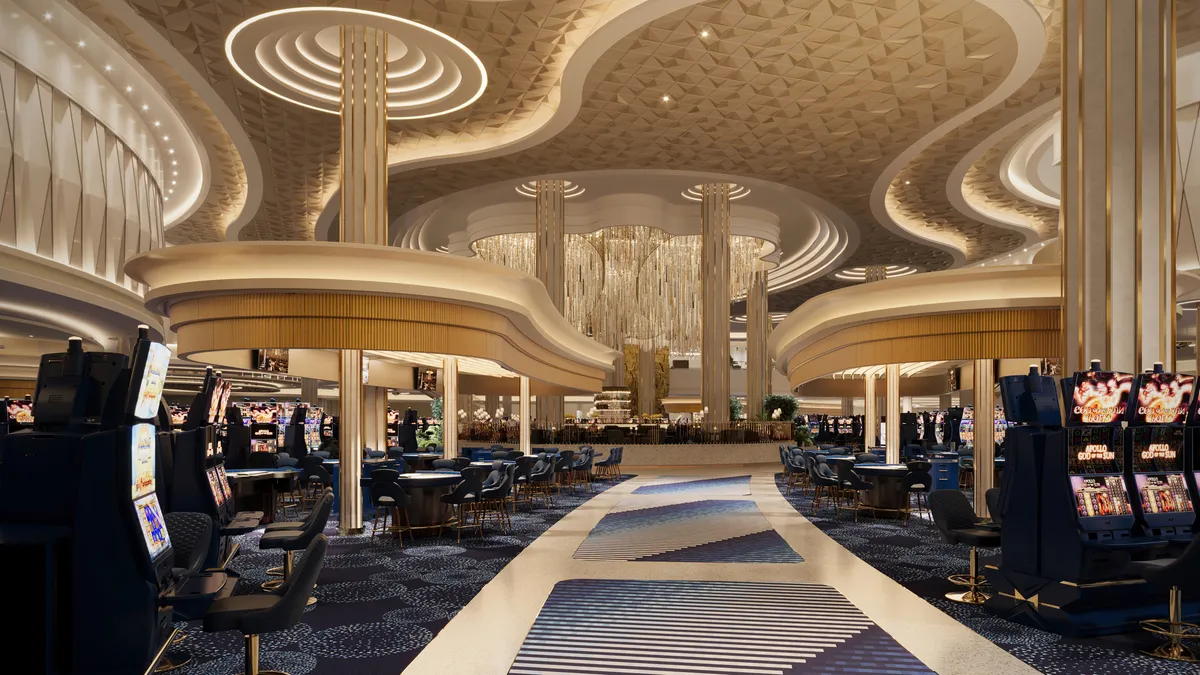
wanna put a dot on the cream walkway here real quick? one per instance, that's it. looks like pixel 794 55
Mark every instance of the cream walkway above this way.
pixel 483 639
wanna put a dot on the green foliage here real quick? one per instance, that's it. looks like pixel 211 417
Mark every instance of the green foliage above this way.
pixel 785 403
pixel 431 436
pixel 801 435
pixel 437 409
pixel 735 408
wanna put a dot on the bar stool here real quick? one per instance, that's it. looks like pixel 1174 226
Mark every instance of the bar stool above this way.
pixel 291 541
pixel 919 482
pixel 1177 575
pixel 956 519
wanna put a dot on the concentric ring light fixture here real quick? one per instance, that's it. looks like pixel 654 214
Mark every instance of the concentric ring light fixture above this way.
pixel 529 189
pixel 295 54
pixel 735 192
pixel 858 274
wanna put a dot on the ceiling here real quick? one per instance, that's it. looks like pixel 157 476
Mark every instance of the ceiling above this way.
pixel 895 113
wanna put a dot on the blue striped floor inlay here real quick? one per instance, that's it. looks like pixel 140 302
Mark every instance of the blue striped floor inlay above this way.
pixel 731 485
pixel 713 530
pixel 627 627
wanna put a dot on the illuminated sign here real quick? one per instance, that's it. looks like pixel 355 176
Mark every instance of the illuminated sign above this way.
pixel 1158 451
pixel 1095 451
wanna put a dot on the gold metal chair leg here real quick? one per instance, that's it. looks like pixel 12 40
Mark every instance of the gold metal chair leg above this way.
pixel 288 563
pixel 973 582
pixel 251 657
pixel 1175 630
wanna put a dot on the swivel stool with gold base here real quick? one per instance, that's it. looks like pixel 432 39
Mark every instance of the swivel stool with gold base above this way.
pixel 255 614
pixel 1176 574
pixel 297 524
pixel 956 520
pixel 291 541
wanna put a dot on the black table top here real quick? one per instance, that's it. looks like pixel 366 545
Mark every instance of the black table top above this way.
pixel 874 469
pixel 429 479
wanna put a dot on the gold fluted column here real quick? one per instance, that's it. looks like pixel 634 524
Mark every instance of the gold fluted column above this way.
pixel 893 413
pixel 1118 159
pixel 645 382
pixel 985 443
pixel 758 362
pixel 450 407
pixel 350 441
pixel 491 403
pixel 870 414
pixel 549 236
pixel 309 392
pixel 714 296
pixel 847 406
pixel 526 446
pixel 363 220
pixel 364 136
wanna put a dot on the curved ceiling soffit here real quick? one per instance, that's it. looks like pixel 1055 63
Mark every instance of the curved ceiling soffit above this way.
pixel 563 102
pixel 833 240
pixel 236 188
pixel 896 191
pixel 980 185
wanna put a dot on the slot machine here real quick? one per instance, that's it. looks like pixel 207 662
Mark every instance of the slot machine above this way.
pixel 95 442
pixel 295 443
pixel 966 426
pixel 1155 465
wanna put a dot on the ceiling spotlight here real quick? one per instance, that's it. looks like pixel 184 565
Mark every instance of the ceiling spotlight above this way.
pixel 174 182
pixel 47 16
pixel 907 182
pixel 171 191
pixel 81 44
pixel 171 151
pixel 704 33
pixel 157 124
pixel 107 69
pixel 145 107
pixel 174 173
pixel 128 89
pixel 166 138
pixel 174 163
pixel 666 98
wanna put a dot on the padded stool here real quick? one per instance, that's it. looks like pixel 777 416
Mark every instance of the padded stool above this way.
pixel 1178 575
pixel 255 614
pixel 956 519
pixel 298 525
pixel 291 541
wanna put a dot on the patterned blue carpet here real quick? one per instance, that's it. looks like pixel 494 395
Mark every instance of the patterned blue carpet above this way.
pixel 706 628
pixel 725 531
pixel 732 485
pixel 918 558
pixel 378 605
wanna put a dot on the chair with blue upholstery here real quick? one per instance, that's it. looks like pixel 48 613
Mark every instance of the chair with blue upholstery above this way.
pixel 541 479
pixel 464 498
pixel 956 520
pixel 582 468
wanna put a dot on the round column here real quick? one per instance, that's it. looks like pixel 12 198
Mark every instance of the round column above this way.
pixel 350 441
pixel 893 413
pixel 870 413
pixel 985 442
pixel 714 297
pixel 1118 178
pixel 450 407
pixel 549 237
pixel 758 362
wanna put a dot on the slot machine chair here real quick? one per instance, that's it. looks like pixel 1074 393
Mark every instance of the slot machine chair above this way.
pixel 956 520
pixel 191 536
pixel 256 614
pixel 1176 575
pixel 290 541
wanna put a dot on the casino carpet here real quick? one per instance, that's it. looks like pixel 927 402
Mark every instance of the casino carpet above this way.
pixel 919 559
pixel 712 530
pixel 378 605
pixel 710 487
pixel 705 628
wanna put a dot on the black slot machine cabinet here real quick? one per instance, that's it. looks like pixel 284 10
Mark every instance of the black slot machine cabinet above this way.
pixel 1191 447
pixel 200 484
pixel 94 449
pixel 1155 466
pixel 951 423
pixel 235 445
pixel 295 442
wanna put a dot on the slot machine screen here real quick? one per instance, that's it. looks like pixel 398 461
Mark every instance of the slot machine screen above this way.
pixel 1099 397
pixel 223 404
pixel 393 416
pixel 1157 449
pixel 214 484
pixel 214 401
pixel 1163 493
pixel 142 446
pixel 1100 496
pixel 999 425
pixel 966 427
pixel 1092 450
pixel 154 378
pixel 1162 398
pixel 223 480
pixel 154 529
pixel 20 412
pixel 179 415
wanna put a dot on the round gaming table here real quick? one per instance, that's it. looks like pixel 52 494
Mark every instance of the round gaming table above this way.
pixel 421 461
pixel 425 489
pixel 887 493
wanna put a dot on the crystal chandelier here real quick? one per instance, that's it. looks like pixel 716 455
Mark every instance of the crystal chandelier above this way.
pixel 631 284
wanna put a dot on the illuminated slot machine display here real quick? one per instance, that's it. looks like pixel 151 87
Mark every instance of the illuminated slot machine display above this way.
pixel 264 426
pixel 966 427
pixel 1096 404
pixel 393 424
pixel 999 425
pixel 1154 454
pixel 283 413
pixel 179 414
pixel 20 414
pixel 939 433
pixel 312 428
pixel 814 426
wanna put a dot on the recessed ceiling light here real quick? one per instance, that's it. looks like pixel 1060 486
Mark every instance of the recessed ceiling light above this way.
pixel 81 44
pixel 174 182
pixel 108 69
pixel 145 107
pixel 666 98
pixel 47 16
pixel 128 89
pixel 174 163
pixel 174 173
pixel 704 33
pixel 171 191
pixel 906 182
pixel 171 151
pixel 166 138
pixel 157 124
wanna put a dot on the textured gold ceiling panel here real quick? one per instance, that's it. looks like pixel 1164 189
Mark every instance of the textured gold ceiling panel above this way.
pixel 521 43
pixel 227 188
pixel 816 94
pixel 982 185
